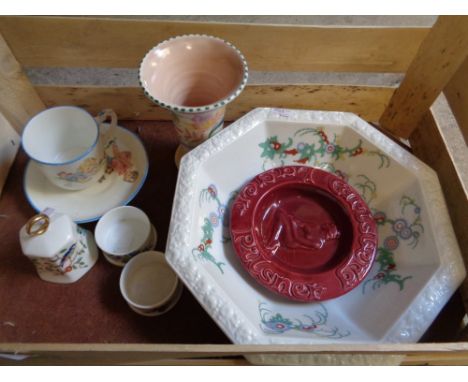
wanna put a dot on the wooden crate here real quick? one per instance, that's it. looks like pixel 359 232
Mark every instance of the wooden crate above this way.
pixel 428 109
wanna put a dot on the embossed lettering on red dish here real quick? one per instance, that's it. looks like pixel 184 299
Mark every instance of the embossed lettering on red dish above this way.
pixel 303 233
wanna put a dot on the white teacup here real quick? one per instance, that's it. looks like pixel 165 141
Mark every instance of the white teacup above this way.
pixel 149 285
pixel 67 143
pixel 123 232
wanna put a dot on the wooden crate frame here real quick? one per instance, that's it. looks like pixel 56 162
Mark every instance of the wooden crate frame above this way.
pixel 433 60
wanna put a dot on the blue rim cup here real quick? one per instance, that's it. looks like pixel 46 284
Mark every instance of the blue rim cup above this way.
pixel 66 144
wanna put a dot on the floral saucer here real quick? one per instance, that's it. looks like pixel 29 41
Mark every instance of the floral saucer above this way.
pixel 127 168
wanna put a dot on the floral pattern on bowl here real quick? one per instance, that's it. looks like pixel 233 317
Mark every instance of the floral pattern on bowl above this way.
pixel 418 264
pixel 314 323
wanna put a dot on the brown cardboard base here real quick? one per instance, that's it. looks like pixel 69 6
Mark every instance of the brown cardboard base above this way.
pixel 92 309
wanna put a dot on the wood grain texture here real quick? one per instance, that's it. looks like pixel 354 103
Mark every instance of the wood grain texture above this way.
pixel 428 143
pixel 93 42
pixel 181 354
pixel 18 99
pixel 9 145
pixel 457 94
pixel 130 103
pixel 436 359
pixel 439 57
pixel 90 42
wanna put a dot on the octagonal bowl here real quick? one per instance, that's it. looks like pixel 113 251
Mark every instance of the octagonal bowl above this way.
pixel 418 265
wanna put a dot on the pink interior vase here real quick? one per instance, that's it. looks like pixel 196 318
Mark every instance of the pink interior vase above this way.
pixel 195 77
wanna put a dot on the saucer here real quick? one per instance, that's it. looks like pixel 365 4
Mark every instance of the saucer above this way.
pixel 303 233
pixel 127 168
pixel 120 261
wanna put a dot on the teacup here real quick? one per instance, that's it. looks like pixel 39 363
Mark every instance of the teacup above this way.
pixel 123 232
pixel 149 285
pixel 195 77
pixel 67 144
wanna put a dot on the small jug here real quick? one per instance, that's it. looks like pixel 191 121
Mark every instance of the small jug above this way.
pixel 62 251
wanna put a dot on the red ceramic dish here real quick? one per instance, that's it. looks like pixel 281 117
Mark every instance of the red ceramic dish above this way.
pixel 303 233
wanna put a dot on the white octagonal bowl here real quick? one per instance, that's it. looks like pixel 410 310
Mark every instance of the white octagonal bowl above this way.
pixel 418 265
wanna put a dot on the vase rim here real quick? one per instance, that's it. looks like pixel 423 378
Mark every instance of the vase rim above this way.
pixel 201 108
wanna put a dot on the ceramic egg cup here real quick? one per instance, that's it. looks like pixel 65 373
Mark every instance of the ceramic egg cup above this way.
pixel 120 261
pixel 149 285
pixel 123 232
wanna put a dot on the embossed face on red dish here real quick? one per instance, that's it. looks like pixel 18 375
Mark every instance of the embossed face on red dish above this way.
pixel 303 233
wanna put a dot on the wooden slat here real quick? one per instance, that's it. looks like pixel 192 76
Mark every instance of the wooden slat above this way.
pixel 439 57
pixel 130 102
pixel 162 351
pixel 18 99
pixel 9 145
pixel 435 359
pixel 237 361
pixel 428 143
pixel 418 359
pixel 443 353
pixel 91 359
pixel 457 94
pixel 92 42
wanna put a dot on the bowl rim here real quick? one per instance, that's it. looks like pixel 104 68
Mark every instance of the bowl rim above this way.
pixel 202 108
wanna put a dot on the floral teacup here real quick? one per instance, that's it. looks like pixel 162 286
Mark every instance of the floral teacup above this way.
pixel 67 143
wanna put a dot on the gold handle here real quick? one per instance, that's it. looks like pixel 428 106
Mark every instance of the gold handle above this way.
pixel 35 220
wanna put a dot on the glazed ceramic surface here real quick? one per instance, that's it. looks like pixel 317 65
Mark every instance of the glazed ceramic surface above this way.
pixel 149 285
pixel 65 142
pixel 123 232
pixel 303 233
pixel 120 261
pixel 62 251
pixel 417 266
pixel 195 77
pixel 126 168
